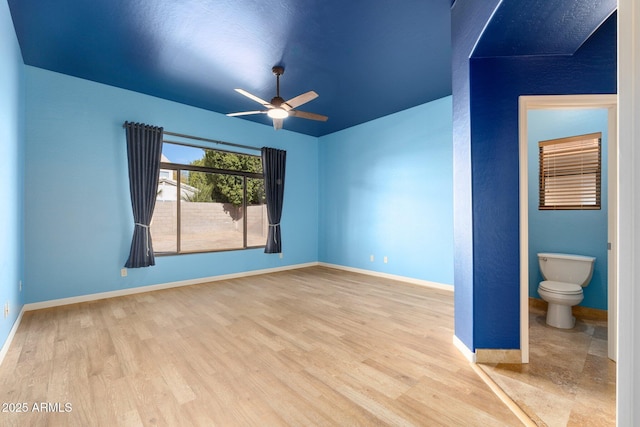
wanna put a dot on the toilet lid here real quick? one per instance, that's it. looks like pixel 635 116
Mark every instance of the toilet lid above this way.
pixel 561 287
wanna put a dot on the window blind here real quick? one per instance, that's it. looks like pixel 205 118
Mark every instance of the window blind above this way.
pixel 570 172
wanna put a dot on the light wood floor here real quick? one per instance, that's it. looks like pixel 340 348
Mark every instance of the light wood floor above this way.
pixel 306 347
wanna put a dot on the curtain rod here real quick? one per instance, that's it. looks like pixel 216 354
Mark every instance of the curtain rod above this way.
pixel 198 138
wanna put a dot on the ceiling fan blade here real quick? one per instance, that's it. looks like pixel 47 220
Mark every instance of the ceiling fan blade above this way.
pixel 277 123
pixel 246 113
pixel 253 97
pixel 299 100
pixel 306 115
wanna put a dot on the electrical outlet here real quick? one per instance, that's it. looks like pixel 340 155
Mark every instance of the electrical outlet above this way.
pixel 385 259
pixel 371 258
pixel 6 309
pixel 20 286
pixel 123 272
pixel 281 255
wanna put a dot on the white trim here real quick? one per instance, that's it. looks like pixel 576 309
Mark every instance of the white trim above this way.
pixel 612 237
pixel 406 279
pixel 537 102
pixel 628 369
pixel 12 333
pixel 524 229
pixel 468 354
pixel 149 288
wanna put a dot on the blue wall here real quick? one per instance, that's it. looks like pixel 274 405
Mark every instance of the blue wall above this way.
pixel 78 220
pixel 386 190
pixel 468 20
pixel 568 231
pixel 495 85
pixel 11 171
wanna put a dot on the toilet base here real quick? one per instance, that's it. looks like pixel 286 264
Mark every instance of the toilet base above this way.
pixel 560 316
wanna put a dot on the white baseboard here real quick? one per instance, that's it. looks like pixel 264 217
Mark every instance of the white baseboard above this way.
pixel 468 354
pixel 149 288
pixel 12 333
pixel 411 280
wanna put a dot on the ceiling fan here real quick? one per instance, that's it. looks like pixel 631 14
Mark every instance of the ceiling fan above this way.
pixel 279 109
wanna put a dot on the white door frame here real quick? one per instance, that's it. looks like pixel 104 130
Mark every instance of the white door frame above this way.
pixel 526 103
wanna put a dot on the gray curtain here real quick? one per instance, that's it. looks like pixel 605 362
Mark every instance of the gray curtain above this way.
pixel 144 150
pixel 273 168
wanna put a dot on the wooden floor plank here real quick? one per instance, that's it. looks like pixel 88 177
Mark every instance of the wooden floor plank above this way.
pixel 313 346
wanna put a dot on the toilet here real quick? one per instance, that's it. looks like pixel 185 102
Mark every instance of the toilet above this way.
pixel 564 277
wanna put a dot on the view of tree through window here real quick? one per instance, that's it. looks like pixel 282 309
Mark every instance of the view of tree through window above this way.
pixel 208 200
pixel 224 187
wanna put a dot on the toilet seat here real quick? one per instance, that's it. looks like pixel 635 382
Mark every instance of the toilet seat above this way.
pixel 561 288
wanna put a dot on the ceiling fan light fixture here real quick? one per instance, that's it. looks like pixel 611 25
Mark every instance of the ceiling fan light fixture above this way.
pixel 278 109
pixel 278 113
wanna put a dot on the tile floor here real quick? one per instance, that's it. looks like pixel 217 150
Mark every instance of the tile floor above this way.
pixel 569 381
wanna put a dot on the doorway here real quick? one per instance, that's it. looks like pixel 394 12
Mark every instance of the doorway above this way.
pixel 549 102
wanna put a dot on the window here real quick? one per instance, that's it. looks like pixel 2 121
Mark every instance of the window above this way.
pixel 208 200
pixel 570 172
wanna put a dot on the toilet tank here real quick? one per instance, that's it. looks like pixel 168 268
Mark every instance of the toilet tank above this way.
pixel 567 268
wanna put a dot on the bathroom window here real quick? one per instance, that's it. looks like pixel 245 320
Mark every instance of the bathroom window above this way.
pixel 570 172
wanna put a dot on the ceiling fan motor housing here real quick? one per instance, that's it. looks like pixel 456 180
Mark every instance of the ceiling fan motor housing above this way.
pixel 277 101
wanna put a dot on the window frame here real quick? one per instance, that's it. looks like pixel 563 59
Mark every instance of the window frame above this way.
pixel 571 188
pixel 178 168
